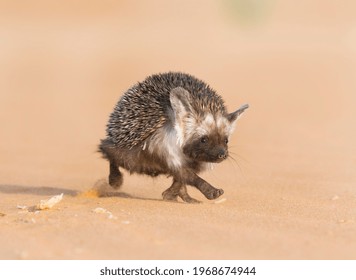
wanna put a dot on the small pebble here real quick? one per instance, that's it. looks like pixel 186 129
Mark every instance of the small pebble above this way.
pixel 111 216
pixel 104 211
pixel 49 203
pixel 220 201
pixel 100 210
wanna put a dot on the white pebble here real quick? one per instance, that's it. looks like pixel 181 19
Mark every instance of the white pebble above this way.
pixel 49 203
pixel 220 201
pixel 104 211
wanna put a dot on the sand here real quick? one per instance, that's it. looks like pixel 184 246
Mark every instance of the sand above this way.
pixel 290 188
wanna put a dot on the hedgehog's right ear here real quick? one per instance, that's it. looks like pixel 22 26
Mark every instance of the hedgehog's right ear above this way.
pixel 179 98
pixel 232 117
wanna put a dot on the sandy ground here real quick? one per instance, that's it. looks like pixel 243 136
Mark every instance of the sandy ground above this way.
pixel 290 191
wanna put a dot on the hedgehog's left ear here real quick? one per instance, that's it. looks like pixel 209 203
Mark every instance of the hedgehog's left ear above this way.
pixel 232 117
pixel 179 98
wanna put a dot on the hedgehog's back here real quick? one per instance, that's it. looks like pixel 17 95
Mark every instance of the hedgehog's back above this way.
pixel 144 107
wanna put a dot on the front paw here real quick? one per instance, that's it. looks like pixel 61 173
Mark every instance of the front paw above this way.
pixel 214 193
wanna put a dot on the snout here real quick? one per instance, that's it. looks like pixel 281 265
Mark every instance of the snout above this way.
pixel 221 155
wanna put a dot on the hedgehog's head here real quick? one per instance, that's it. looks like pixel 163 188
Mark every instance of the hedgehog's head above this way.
pixel 203 135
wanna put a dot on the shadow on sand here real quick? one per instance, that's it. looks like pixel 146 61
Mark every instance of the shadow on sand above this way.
pixel 36 190
pixel 100 190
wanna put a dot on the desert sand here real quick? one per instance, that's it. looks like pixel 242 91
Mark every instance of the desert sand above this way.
pixel 290 186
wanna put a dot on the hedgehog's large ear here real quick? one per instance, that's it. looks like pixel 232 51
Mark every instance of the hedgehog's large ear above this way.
pixel 234 116
pixel 179 98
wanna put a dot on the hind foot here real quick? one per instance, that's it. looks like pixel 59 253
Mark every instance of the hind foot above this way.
pixel 115 176
pixel 115 181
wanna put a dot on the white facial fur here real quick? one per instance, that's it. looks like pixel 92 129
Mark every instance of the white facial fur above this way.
pixel 218 123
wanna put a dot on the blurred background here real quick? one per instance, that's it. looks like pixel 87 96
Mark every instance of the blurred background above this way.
pixel 64 65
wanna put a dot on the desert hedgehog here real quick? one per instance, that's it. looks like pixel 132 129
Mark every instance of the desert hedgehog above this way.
pixel 173 124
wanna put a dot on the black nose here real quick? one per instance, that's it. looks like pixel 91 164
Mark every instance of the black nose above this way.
pixel 222 154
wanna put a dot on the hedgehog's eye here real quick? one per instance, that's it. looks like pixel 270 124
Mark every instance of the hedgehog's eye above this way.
pixel 226 140
pixel 204 139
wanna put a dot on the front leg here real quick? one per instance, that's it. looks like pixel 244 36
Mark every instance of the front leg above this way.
pixel 178 189
pixel 204 187
pixel 183 194
pixel 172 192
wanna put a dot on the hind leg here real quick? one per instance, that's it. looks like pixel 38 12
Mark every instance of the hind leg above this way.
pixel 178 189
pixel 115 176
pixel 109 151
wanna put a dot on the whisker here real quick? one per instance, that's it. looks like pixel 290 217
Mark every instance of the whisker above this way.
pixel 240 157
pixel 235 161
